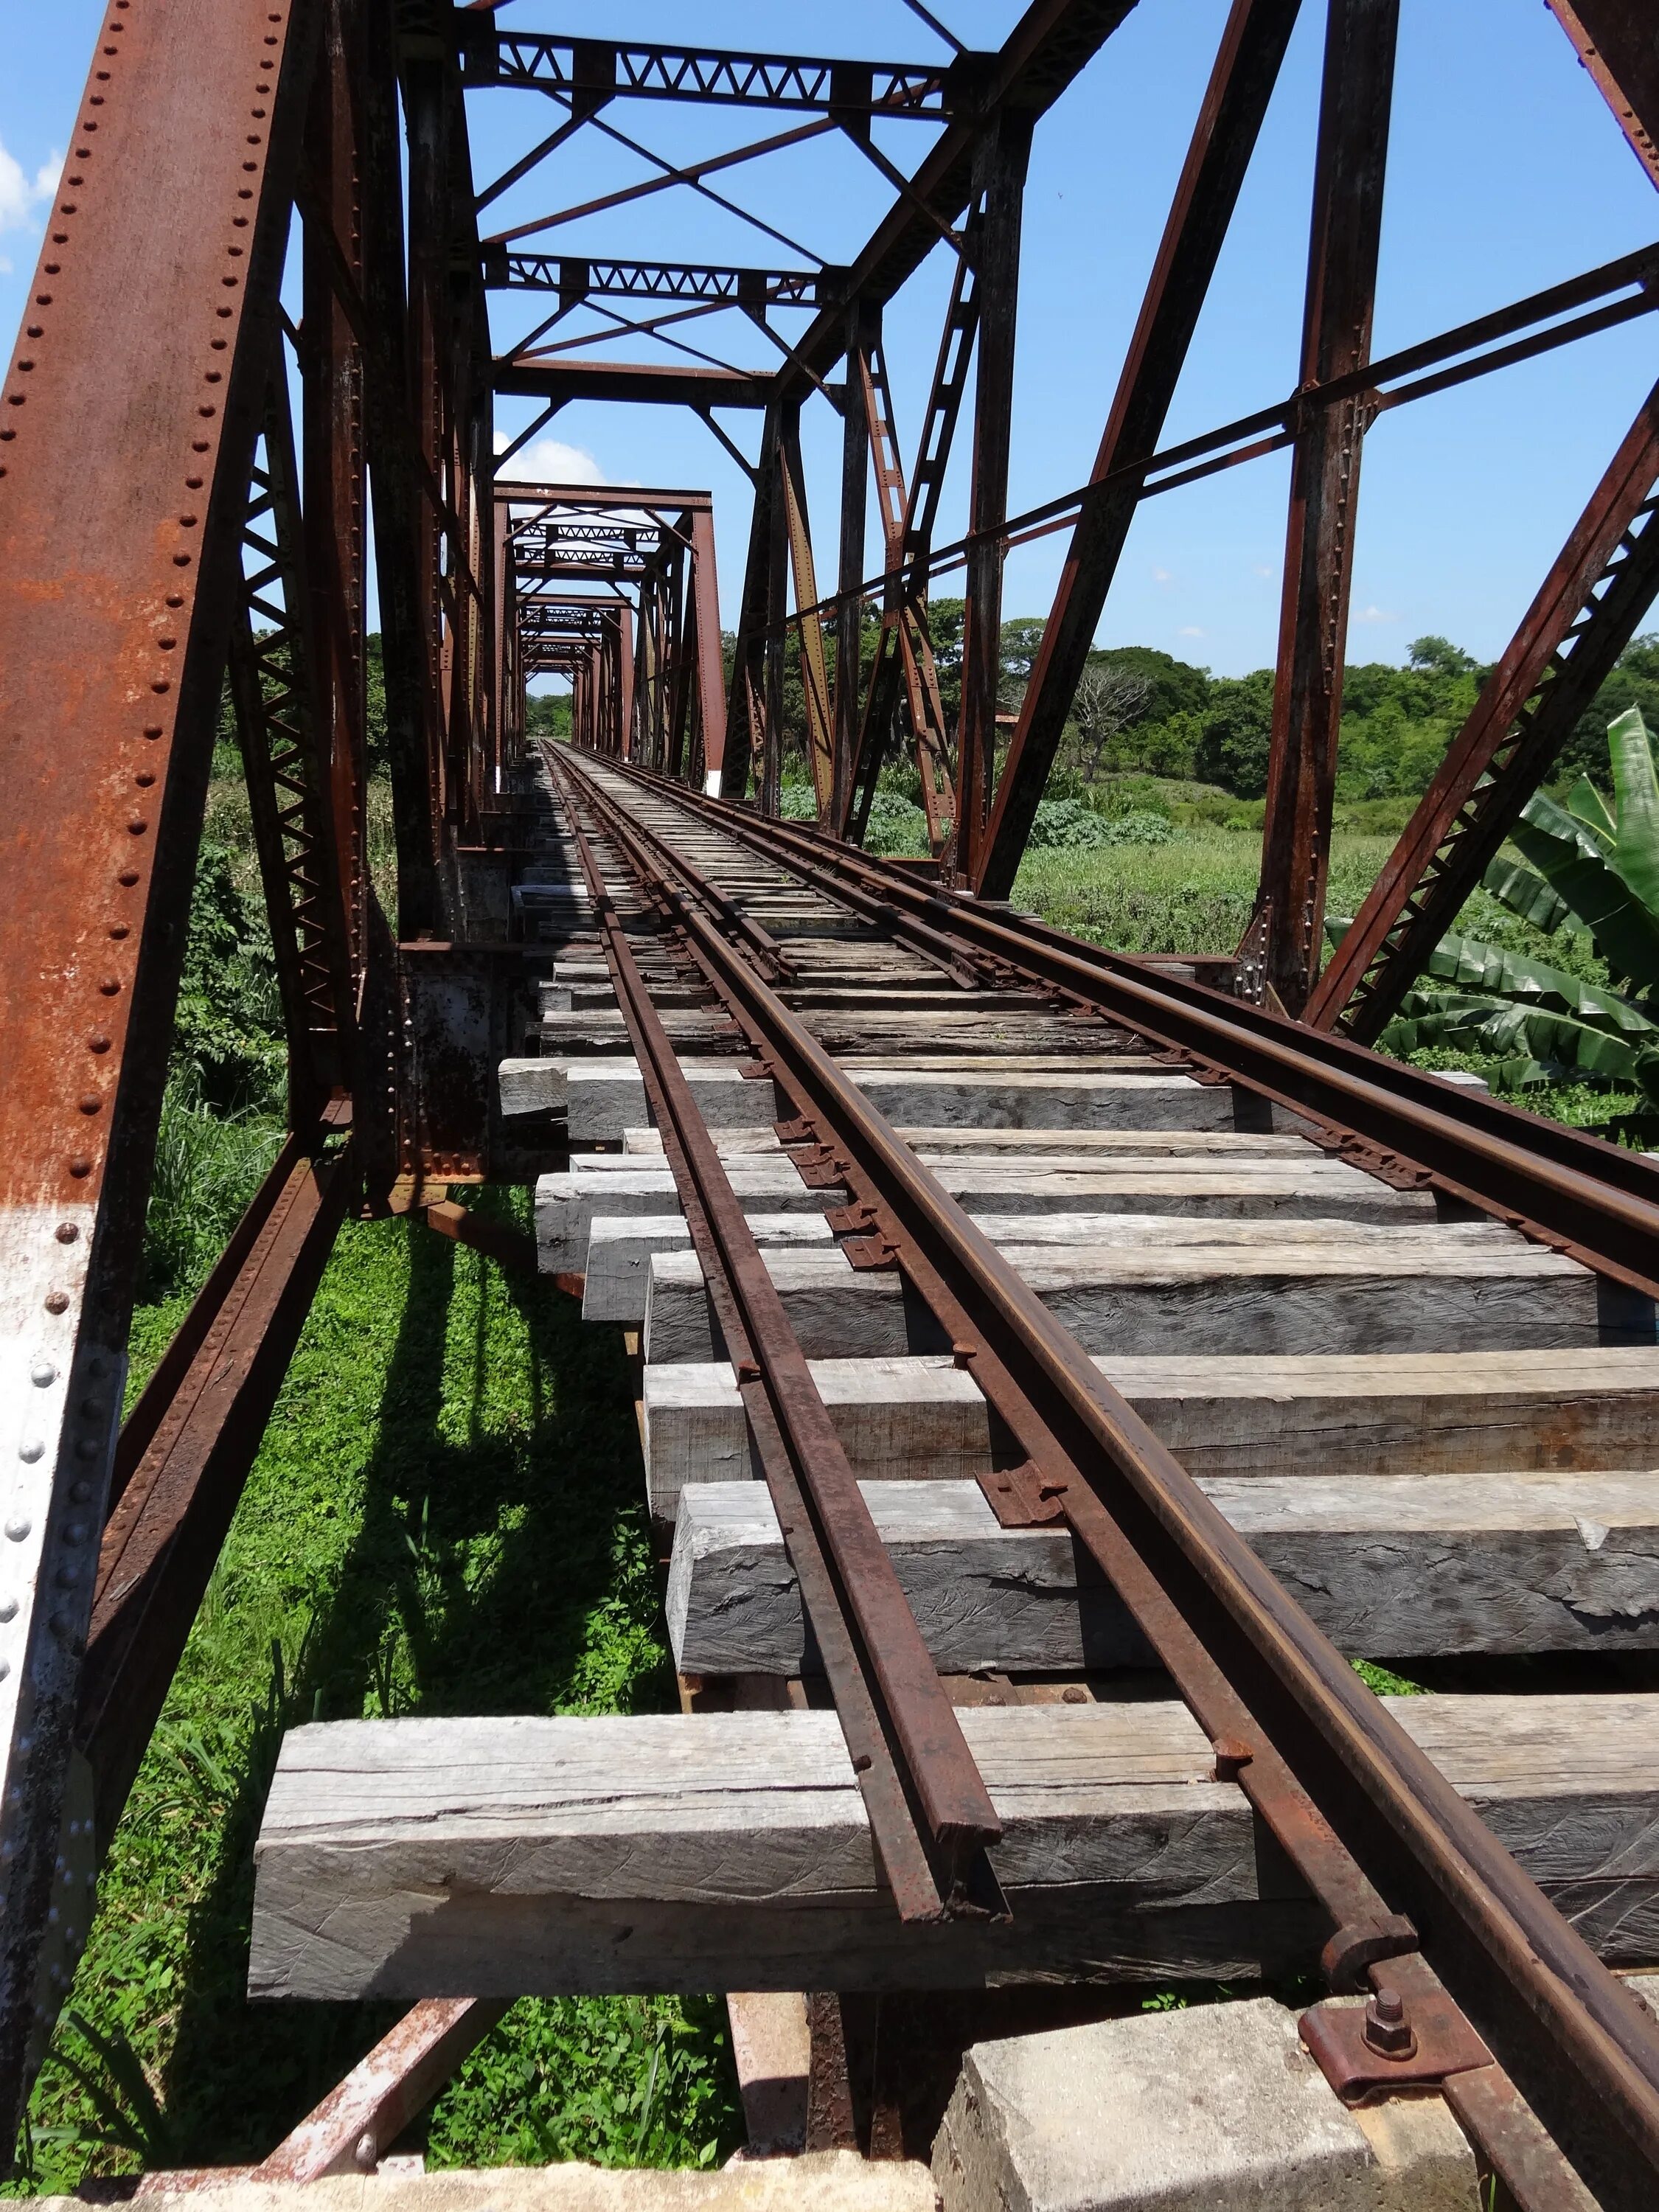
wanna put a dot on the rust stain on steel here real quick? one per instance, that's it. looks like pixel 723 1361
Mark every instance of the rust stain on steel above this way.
pixel 356 2122
pixel 163 1538
pixel 127 429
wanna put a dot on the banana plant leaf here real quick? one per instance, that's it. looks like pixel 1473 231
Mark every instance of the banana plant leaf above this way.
pixel 1466 962
pixel 1531 1033
pixel 1636 795
pixel 1529 896
pixel 1585 803
pixel 1542 811
pixel 1625 928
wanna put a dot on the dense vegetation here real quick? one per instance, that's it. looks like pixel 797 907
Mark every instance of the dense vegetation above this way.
pixel 1142 715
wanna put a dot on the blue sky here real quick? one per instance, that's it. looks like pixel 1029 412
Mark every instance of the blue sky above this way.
pixel 1506 173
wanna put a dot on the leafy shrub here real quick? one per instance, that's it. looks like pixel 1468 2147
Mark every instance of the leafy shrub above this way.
pixel 208 1166
pixel 895 826
pixel 1069 825
pixel 1139 829
pixel 228 1032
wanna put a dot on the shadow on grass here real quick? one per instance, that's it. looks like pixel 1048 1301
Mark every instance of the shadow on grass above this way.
pixel 501 1565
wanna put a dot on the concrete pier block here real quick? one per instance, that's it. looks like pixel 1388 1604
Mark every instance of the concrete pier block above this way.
pixel 1216 2107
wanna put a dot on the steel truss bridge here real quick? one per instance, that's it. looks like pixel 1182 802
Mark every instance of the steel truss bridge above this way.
pixel 192 478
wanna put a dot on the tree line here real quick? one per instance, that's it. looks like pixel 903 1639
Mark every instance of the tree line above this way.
pixel 1140 711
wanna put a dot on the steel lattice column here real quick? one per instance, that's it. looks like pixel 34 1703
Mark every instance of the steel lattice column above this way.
pixel 1353 135
pixel 127 488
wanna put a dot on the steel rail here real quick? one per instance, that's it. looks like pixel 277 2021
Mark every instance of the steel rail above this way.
pixel 930 1813
pixel 1596 1202
pixel 1317 1754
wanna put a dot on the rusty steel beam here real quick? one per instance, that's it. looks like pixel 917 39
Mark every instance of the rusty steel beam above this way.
pixel 565 378
pixel 704 637
pixel 1241 84
pixel 814 672
pixel 1348 178
pixel 277 690
pixel 576 277
pixel 395 474
pixel 849 614
pixel 358 2123
pixel 588 73
pixel 1602 584
pixel 128 491
pixel 1053 41
pixel 201 1422
pixel 335 489
pixel 994 241
pixel 741 749
pixel 1614 40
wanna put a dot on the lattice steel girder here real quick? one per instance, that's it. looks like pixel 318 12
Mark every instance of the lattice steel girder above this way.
pixel 589 72
pixel 1051 42
pixel 507 268
pixel 564 378
pixel 1348 181
pixel 1246 69
pixel 1616 42
pixel 121 507
pixel 1586 612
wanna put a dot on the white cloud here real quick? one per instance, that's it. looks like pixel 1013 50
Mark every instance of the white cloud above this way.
pixel 1375 614
pixel 1262 572
pixel 19 196
pixel 1161 576
pixel 5 265
pixel 550 460
pixel 1191 631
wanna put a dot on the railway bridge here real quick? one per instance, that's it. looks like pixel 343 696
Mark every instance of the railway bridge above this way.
pixel 1054 1367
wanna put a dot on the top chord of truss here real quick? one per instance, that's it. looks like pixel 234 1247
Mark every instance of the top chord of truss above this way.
pixel 591 71
pixel 575 278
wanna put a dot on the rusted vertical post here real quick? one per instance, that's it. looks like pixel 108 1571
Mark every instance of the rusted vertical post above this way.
pixel 625 682
pixel 1348 179
pixel 394 478
pixel 1614 41
pixel 999 164
pixel 335 489
pixel 161 267
pixel 506 682
pixel 711 672
pixel 777 607
pixel 854 513
pixel 425 114
pixel 741 719
pixel 814 676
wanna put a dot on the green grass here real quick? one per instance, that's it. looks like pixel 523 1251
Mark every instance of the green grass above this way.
pixel 446 1516
pixel 1192 895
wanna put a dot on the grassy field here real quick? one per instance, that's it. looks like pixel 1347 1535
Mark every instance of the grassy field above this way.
pixel 446 1516
pixel 1192 895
